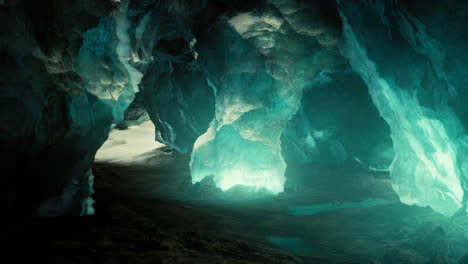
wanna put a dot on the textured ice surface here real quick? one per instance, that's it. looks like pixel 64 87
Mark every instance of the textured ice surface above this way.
pixel 109 83
pixel 258 86
pixel 337 121
pixel 104 62
pixel 177 96
pixel 242 144
pixel 428 138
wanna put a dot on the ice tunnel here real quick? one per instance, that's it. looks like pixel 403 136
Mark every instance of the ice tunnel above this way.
pixel 234 131
pixel 267 94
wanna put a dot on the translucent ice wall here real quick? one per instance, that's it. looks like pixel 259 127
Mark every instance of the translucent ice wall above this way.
pixel 105 62
pixel 262 64
pixel 403 68
pixel 242 144
pixel 107 75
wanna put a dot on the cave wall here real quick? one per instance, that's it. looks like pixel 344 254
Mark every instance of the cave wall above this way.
pixel 270 84
pixel 337 127
pixel 42 146
pixel 70 72
pixel 407 64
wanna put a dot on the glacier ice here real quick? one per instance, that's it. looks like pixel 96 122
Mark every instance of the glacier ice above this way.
pixel 257 90
pixel 172 91
pixel 174 85
pixel 109 83
pixel 336 122
pixel 258 85
pixel 242 144
pixel 428 137
pixel 54 129
pixel 114 81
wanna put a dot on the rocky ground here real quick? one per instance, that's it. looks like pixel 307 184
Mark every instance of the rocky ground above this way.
pixel 124 231
pixel 153 214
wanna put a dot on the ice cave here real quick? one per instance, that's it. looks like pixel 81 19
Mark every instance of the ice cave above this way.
pixel 233 131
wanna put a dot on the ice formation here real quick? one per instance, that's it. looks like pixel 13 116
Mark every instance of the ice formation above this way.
pixel 106 65
pixel 116 82
pixel 258 85
pixel 429 141
pixel 251 90
pixel 242 144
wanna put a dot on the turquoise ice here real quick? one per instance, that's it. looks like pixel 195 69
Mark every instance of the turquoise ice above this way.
pixel 429 140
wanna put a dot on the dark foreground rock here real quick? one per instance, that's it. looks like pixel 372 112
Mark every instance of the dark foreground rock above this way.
pixel 122 234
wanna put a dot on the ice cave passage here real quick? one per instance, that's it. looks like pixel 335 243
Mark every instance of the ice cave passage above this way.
pixel 327 106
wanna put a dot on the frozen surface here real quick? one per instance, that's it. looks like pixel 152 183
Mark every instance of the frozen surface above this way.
pixel 125 146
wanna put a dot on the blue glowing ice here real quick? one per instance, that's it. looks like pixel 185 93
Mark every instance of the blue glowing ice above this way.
pixel 429 140
pixel 242 144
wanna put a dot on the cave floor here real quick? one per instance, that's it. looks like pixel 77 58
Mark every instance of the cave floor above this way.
pixel 153 214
